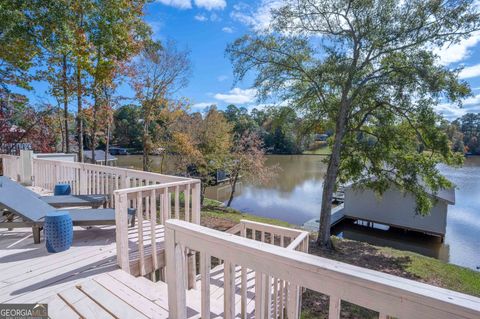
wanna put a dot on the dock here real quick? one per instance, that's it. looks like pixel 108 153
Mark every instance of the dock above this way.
pixel 337 216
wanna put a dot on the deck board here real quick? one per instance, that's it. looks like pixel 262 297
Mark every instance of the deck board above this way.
pixel 29 273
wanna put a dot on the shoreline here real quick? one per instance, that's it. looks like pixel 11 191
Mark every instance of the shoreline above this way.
pixel 405 264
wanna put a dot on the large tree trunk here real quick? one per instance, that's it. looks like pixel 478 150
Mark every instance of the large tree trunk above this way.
pixel 331 176
pixel 65 102
pixel 232 193
pixel 79 113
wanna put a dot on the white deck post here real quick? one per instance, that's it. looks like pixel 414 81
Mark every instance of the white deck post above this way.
pixel 121 221
pixel 177 304
pixel 26 167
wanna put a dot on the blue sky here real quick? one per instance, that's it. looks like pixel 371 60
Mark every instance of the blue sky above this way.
pixel 205 27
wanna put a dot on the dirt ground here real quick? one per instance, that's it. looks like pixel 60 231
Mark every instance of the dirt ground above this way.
pixel 315 305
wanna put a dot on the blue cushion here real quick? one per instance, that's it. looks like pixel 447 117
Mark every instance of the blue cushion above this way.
pixel 58 228
pixel 62 189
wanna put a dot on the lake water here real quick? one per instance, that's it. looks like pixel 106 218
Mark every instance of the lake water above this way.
pixel 294 195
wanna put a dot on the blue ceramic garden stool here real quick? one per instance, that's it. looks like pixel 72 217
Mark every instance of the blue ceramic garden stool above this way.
pixel 62 189
pixel 58 231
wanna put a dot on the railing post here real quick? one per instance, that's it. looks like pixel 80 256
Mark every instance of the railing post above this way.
pixel 177 304
pixel 121 222
pixel 244 287
pixel 196 203
pixel 26 169
pixel 293 301
pixel 259 295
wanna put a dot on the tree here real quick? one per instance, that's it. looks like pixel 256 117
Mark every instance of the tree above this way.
pixel 158 74
pixel 127 131
pixel 247 160
pixel 365 67
pixel 470 127
pixel 202 146
pixel 117 32
pixel 20 49
pixel 241 120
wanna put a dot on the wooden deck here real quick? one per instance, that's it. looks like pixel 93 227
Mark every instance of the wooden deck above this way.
pixel 116 294
pixel 28 272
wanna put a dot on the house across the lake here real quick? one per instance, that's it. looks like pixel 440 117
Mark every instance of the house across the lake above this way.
pixel 99 157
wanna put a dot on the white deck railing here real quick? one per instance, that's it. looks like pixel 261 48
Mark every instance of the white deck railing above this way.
pixel 154 205
pixel 387 294
pixel 11 166
pixel 94 179
pixel 155 197
pixel 289 238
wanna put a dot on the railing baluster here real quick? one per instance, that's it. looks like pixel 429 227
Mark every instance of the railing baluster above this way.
pixel 140 233
pixel 229 290
pixel 282 298
pixel 259 295
pixel 177 202
pixel 275 298
pixel 334 307
pixel 166 198
pixel 205 269
pixel 268 297
pixel 153 228
pixel 187 203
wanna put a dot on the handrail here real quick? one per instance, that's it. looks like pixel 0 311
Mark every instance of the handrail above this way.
pixel 290 238
pixel 387 294
pixel 111 169
pixel 154 204
pixel 97 179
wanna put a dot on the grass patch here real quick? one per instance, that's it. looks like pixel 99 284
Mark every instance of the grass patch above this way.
pixel 438 273
pixel 215 210
pixel 323 150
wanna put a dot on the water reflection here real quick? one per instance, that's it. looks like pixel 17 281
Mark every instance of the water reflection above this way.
pixel 295 196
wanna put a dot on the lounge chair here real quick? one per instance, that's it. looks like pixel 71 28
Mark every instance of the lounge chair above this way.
pixel 20 201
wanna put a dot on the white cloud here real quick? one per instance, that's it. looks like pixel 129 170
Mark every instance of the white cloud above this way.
pixel 227 30
pixel 203 105
pixel 215 17
pixel 156 27
pixel 200 17
pixel 459 51
pixel 452 111
pixel 256 18
pixel 470 72
pixel 222 78
pixel 237 96
pixel 181 4
pixel 211 4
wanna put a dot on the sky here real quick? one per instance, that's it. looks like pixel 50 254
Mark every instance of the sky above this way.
pixel 206 27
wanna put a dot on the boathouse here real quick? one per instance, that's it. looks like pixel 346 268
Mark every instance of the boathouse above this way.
pixel 397 208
